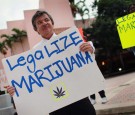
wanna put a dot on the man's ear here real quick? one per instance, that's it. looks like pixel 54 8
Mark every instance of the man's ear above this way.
pixel 35 29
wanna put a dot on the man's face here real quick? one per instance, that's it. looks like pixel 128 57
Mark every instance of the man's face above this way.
pixel 132 9
pixel 44 26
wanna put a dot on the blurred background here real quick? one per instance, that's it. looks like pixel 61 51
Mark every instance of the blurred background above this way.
pixel 102 30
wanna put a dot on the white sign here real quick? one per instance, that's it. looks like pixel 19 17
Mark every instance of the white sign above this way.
pixel 53 75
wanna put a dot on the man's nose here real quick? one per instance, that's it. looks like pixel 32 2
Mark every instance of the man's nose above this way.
pixel 44 22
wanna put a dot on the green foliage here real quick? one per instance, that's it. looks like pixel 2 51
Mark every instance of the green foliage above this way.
pixel 104 33
pixel 3 48
pixel 104 29
pixel 11 39
pixel 18 34
pixel 80 8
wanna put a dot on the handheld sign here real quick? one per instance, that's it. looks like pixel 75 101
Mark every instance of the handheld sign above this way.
pixel 126 30
pixel 53 75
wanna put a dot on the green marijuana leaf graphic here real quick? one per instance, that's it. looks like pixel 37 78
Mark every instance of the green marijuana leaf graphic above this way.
pixel 59 93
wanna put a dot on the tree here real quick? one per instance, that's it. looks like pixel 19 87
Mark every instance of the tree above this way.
pixel 19 35
pixel 3 48
pixel 80 8
pixel 8 41
pixel 16 37
pixel 104 29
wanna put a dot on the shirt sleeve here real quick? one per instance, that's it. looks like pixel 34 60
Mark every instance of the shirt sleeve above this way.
pixel 92 45
pixel 93 54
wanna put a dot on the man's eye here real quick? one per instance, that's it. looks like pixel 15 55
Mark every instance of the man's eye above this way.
pixel 46 20
pixel 39 23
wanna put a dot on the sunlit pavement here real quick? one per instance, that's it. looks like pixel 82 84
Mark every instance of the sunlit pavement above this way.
pixel 120 92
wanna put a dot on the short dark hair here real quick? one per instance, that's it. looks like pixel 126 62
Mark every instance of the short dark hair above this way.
pixel 38 14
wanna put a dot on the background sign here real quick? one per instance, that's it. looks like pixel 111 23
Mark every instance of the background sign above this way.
pixel 126 30
pixel 53 75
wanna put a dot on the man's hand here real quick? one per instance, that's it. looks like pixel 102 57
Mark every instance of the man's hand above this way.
pixel 10 90
pixel 86 47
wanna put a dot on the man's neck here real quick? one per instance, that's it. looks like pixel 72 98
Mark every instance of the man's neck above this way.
pixel 48 36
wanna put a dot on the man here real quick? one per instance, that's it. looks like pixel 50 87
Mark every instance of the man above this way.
pixel 43 24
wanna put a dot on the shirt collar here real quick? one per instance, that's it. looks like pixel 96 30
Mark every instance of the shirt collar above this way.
pixel 44 40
